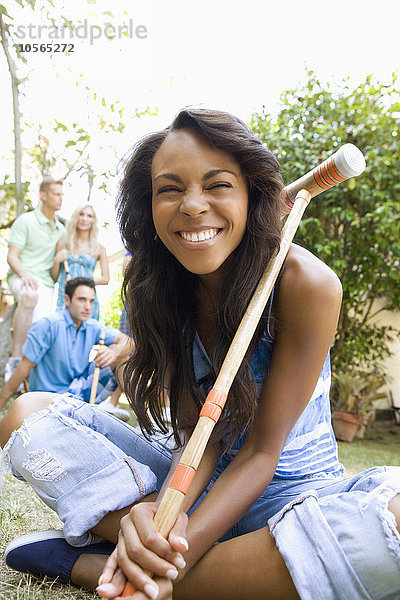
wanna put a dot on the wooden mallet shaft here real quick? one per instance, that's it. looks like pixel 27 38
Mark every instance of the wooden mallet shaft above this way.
pixel 66 267
pixel 96 373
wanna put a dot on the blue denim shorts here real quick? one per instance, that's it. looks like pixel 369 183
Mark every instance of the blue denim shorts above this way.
pixel 344 545
pixel 81 462
pixel 337 536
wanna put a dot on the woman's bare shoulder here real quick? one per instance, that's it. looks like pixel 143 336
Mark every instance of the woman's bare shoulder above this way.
pixel 306 274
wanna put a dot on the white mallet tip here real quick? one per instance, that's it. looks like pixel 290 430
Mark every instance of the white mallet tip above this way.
pixel 349 160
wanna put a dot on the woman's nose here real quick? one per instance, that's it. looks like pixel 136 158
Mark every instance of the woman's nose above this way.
pixel 193 204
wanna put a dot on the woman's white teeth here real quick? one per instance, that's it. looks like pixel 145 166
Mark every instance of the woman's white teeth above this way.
pixel 199 236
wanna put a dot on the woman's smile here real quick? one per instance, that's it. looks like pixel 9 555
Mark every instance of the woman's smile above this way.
pixel 200 235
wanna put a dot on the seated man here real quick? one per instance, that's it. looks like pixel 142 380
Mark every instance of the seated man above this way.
pixel 57 348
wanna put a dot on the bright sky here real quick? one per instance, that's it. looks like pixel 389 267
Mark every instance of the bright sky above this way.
pixel 221 54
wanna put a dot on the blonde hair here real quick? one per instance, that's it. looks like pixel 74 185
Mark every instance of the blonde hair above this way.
pixel 71 232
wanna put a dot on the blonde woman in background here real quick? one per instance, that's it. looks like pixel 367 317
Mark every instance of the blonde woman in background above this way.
pixel 80 253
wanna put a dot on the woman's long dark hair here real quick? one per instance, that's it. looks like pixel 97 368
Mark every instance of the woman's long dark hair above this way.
pixel 160 293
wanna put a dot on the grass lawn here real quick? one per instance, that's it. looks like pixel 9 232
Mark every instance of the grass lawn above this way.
pixel 381 446
pixel 22 512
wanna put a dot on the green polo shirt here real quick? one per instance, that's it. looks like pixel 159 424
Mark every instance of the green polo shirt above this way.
pixel 34 233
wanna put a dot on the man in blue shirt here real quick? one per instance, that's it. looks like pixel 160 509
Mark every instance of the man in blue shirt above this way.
pixel 57 348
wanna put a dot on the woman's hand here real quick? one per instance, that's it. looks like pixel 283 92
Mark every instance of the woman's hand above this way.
pixel 61 255
pixel 112 583
pixel 141 548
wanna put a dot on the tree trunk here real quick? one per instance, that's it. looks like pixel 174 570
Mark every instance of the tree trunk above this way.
pixel 5 340
pixel 15 82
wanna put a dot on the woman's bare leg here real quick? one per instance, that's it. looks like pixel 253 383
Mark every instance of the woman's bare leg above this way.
pixel 87 570
pixel 24 406
pixel 246 567
pixel 249 566
pixel 394 506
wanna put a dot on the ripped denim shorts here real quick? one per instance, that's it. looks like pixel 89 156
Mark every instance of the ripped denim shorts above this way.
pixel 345 545
pixel 81 462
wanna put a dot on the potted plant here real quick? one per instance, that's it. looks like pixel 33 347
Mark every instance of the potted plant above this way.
pixel 353 397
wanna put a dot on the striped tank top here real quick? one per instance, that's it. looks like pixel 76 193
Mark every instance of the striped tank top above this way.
pixel 311 447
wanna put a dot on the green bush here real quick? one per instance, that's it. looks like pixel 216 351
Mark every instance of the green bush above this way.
pixel 353 227
pixel 111 313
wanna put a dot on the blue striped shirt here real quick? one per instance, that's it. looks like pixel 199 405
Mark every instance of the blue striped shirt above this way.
pixel 311 447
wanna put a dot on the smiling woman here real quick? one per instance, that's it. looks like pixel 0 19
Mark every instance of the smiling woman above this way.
pixel 208 172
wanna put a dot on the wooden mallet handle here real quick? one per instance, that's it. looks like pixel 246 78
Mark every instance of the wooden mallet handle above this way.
pixel 66 267
pixel 96 373
pixel 347 162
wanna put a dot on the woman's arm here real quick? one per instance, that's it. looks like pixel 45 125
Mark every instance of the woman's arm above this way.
pixel 104 267
pixel 147 547
pixel 60 255
pixel 308 305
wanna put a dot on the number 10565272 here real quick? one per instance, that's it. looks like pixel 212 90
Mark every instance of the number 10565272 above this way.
pixel 45 47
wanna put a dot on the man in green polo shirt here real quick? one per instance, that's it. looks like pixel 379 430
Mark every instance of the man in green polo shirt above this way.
pixel 31 249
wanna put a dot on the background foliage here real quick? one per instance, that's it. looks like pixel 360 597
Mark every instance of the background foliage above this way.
pixel 354 227
pixel 111 313
pixel 88 147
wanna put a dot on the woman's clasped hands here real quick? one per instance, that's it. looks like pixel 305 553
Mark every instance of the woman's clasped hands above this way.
pixel 142 550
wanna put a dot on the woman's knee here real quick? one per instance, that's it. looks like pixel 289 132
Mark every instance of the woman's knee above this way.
pixel 394 507
pixel 24 406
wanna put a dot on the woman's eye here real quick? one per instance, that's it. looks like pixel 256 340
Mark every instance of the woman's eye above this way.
pixel 165 189
pixel 218 185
